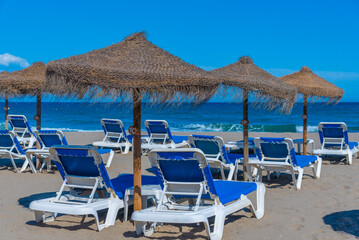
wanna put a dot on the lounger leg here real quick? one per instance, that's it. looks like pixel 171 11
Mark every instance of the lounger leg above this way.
pixel 261 190
pixel 127 149
pixel 236 171
pixel 299 179
pixel 349 157
pixel 24 165
pixel 110 157
pixel 260 175
pixel 218 223
pixel 113 208
pixel 125 202
pixel 13 163
pixel 268 175
pixel 294 179
pixel 249 171
pixel 39 216
pixel 317 168
pixel 231 172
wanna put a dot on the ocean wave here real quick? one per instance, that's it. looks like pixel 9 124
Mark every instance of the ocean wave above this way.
pixel 228 127
pixel 309 129
pixel 70 130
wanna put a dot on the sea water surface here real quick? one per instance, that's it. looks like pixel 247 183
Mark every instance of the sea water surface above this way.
pixel 209 117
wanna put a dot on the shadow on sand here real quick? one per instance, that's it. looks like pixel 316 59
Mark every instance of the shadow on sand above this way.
pixel 346 221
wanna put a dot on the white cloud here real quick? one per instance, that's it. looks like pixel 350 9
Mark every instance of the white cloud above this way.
pixel 279 72
pixel 6 59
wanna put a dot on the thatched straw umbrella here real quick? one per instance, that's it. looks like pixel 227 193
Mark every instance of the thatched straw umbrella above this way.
pixel 28 81
pixel 133 66
pixel 6 96
pixel 315 88
pixel 269 91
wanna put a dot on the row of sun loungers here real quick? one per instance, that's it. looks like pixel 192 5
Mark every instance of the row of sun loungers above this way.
pixel 183 167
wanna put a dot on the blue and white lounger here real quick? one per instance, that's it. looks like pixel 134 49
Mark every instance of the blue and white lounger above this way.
pixel 159 136
pixel 278 154
pixel 186 173
pixel 20 127
pixel 49 138
pixel 83 168
pixel 215 151
pixel 335 141
pixel 10 148
pixel 115 136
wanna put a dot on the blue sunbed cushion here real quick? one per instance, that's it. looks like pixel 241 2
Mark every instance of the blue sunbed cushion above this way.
pixel 179 139
pixel 353 144
pixel 124 181
pixel 305 160
pixel 229 191
pixel 103 151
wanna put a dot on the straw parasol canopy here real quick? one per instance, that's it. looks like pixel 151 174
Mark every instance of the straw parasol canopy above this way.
pixel 134 63
pixel 3 76
pixel 270 92
pixel 28 81
pixel 313 86
pixel 135 66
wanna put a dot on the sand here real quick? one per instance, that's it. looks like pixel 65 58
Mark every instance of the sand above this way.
pixel 327 208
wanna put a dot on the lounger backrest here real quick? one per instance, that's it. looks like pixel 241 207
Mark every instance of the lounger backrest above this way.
pixel 8 141
pixel 158 130
pixel 333 134
pixel 211 146
pixel 49 138
pixel 275 150
pixel 80 162
pixel 182 166
pixel 19 124
pixel 114 129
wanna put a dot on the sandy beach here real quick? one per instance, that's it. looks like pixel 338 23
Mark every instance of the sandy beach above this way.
pixel 327 208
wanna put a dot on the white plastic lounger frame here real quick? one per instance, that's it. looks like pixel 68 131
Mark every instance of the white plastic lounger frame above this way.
pixel 46 138
pixel 168 211
pixel 160 136
pixel 10 148
pixel 74 204
pixel 279 156
pixel 334 139
pixel 217 158
pixel 115 137
pixel 22 130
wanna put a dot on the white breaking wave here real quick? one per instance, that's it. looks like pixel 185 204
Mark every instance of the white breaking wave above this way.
pixel 309 129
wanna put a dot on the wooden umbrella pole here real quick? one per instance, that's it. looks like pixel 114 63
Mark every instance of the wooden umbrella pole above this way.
pixel 305 117
pixel 245 134
pixel 38 111
pixel 38 116
pixel 136 148
pixel 6 108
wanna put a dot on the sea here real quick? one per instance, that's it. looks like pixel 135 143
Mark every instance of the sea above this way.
pixel 207 117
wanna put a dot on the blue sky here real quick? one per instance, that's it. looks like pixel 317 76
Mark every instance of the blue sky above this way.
pixel 281 36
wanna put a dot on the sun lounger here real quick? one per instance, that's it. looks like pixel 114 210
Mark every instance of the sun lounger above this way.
pixel 216 154
pixel 83 169
pixel 278 154
pixel 49 138
pixel 10 148
pixel 22 129
pixel 159 136
pixel 335 141
pixel 186 173
pixel 115 136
